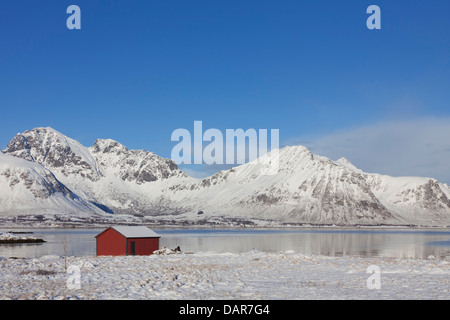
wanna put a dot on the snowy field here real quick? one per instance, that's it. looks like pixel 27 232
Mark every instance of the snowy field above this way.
pixel 209 275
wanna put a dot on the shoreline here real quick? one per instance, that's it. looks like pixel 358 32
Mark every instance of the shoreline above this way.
pixel 66 221
pixel 228 227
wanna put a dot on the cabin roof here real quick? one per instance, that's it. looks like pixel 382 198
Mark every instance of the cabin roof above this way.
pixel 134 232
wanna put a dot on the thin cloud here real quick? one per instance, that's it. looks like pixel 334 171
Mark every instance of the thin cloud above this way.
pixel 416 147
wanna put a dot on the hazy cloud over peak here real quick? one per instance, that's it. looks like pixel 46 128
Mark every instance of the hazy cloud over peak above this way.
pixel 416 147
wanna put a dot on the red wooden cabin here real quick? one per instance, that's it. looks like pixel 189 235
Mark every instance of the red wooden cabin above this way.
pixel 127 240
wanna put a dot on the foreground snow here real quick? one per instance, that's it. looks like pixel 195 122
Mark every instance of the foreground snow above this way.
pixel 209 275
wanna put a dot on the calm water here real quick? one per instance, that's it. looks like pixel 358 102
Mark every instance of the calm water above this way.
pixel 359 242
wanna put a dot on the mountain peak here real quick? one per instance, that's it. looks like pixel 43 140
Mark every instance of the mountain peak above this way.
pixel 107 146
pixel 290 152
pixel 53 150
pixel 140 166
pixel 346 163
pixel 295 148
pixel 45 131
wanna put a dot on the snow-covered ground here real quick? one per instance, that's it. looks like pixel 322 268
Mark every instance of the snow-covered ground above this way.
pixel 210 275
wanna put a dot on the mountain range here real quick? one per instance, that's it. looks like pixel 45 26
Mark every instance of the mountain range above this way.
pixel 45 173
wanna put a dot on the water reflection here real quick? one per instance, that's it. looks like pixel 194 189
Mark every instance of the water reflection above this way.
pixel 391 244
pixel 70 242
pixel 414 244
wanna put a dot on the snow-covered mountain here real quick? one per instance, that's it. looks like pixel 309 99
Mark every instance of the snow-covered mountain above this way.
pixel 107 173
pixel 56 152
pixel 305 188
pixel 29 188
pixel 313 189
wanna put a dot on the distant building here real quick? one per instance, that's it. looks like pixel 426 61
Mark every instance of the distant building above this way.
pixel 127 241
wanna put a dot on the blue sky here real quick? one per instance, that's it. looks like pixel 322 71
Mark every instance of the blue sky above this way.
pixel 137 70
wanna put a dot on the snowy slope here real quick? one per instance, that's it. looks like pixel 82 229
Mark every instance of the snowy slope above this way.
pixel 306 188
pixel 312 189
pixel 303 188
pixel 126 181
pixel 29 188
pixel 416 200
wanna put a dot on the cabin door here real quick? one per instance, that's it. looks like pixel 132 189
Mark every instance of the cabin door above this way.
pixel 132 249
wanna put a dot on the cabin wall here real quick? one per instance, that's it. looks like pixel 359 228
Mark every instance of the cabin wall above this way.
pixel 111 243
pixel 142 246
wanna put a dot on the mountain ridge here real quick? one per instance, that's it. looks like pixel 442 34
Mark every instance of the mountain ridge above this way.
pixel 301 188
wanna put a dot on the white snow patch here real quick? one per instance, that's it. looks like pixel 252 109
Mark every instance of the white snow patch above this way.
pixel 209 275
